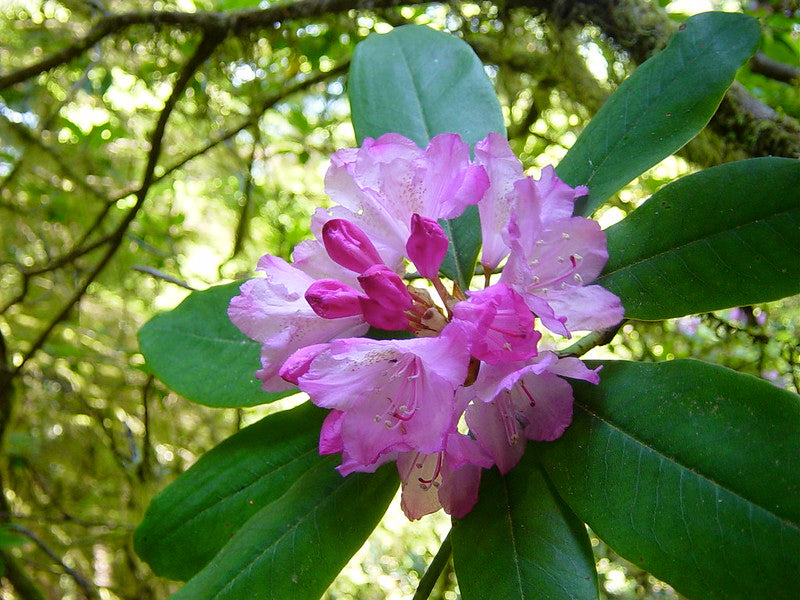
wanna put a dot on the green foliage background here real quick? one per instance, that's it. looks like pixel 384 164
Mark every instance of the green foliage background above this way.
pixel 88 436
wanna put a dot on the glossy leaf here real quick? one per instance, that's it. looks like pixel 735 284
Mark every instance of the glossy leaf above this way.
pixel 188 522
pixel 198 353
pixel 293 548
pixel 692 472
pixel 661 106
pixel 521 541
pixel 419 82
pixel 703 243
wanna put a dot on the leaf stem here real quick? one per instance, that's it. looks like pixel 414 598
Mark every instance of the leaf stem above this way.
pixel 591 340
pixel 431 576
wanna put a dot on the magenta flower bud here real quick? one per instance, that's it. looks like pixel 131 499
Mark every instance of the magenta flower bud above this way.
pixel 385 287
pixel 332 299
pixel 426 246
pixel 349 246
pixel 380 316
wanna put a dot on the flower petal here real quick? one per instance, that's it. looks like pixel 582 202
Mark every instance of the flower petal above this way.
pixel 504 170
pixel 274 312
pixel 588 307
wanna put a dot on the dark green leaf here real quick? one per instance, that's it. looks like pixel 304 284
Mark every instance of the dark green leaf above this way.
pixel 191 520
pixel 661 106
pixel 521 541
pixel 197 352
pixel 703 242
pixel 293 548
pixel 419 82
pixel 464 234
pixel 692 472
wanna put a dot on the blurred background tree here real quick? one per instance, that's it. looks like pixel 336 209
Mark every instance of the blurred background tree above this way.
pixel 151 148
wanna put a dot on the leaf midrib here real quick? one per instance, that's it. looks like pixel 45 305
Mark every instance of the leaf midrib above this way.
pixel 220 340
pixel 636 123
pixel 172 531
pixel 513 540
pixel 671 460
pixel 416 95
pixel 448 229
pixel 705 238
pixel 301 519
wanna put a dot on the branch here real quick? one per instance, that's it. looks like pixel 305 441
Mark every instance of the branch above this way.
pixel 80 249
pixel 601 337
pixel 203 51
pixel 242 227
pixel 88 588
pixel 66 519
pixel 29 138
pixel 23 584
pixel 158 274
pixel 215 24
pixel 250 121
pixel 764 65
pixel 743 126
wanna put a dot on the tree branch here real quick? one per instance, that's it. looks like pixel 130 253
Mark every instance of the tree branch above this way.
pixel 764 65
pixel 203 51
pixel 29 138
pixel 211 23
pixel 88 588
pixel 252 120
pixel 601 337
pixel 743 126
pixel 23 584
pixel 25 587
pixel 158 274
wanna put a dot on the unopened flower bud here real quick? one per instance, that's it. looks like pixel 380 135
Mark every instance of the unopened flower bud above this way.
pixel 332 299
pixel 385 287
pixel 427 245
pixel 349 246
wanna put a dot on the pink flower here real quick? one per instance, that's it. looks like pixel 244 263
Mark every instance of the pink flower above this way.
pixel 332 299
pixel 513 402
pixel 395 395
pixel 448 479
pixel 552 259
pixel 510 192
pixel 499 325
pixel 382 184
pixel 348 246
pixel 475 361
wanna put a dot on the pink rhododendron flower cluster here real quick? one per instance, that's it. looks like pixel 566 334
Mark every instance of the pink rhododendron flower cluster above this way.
pixel 469 383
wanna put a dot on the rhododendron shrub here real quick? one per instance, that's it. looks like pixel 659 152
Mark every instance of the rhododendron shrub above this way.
pixel 437 319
